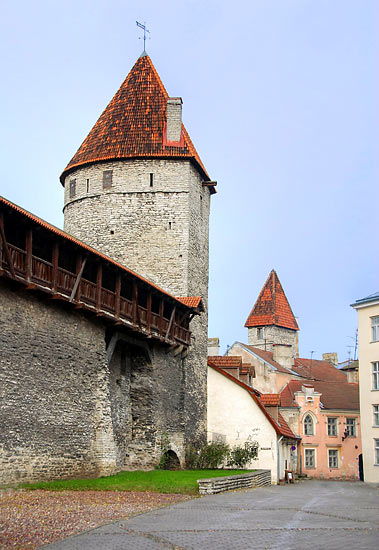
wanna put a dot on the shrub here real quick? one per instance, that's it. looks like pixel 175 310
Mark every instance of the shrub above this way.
pixel 210 455
pixel 241 455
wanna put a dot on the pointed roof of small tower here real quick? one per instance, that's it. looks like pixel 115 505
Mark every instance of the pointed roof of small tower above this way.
pixel 133 125
pixel 272 307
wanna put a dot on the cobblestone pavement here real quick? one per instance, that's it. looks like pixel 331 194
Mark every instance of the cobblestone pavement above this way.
pixel 322 514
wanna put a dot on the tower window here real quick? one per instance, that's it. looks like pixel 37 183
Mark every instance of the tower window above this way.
pixel 87 185
pixel 72 188
pixel 151 180
pixel 107 179
pixel 169 225
pixel 260 333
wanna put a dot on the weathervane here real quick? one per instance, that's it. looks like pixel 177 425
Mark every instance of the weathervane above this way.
pixel 145 30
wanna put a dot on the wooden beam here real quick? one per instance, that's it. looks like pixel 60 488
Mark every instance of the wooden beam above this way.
pixel 29 254
pixel 148 313
pixel 78 277
pixel 54 261
pixel 161 309
pixel 171 321
pixel 99 280
pixel 6 248
pixel 117 295
pixel 135 302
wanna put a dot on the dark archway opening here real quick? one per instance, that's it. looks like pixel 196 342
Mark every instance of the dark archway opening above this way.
pixel 171 461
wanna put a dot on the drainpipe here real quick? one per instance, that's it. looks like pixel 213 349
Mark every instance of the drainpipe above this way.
pixel 278 466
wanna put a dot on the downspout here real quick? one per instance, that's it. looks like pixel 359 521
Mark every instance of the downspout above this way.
pixel 278 465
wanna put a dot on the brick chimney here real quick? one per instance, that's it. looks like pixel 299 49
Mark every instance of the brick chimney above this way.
pixel 174 118
pixel 283 354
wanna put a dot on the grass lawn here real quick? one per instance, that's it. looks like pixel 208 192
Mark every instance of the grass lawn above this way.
pixel 160 481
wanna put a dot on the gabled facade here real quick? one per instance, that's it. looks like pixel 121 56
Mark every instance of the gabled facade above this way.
pixel 237 413
pixel 325 414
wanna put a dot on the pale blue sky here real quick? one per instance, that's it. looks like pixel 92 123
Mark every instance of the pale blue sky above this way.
pixel 280 100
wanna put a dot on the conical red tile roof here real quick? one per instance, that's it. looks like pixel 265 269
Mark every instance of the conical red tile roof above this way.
pixel 272 307
pixel 133 124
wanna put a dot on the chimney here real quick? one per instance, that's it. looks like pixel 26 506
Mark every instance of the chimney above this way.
pixel 174 118
pixel 213 346
pixel 331 358
pixel 283 354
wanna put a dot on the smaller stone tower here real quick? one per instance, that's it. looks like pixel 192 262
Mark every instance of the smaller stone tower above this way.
pixel 271 320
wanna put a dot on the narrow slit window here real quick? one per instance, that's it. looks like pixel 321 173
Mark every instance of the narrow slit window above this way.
pixel 87 185
pixel 169 225
pixel 151 180
pixel 72 188
pixel 107 179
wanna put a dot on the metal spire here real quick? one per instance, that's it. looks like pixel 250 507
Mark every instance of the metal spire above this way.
pixel 145 30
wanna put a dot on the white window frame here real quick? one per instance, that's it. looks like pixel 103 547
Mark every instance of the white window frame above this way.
pixel 375 416
pixel 376 452
pixel 311 453
pixel 334 424
pixel 375 375
pixel 312 426
pixel 353 425
pixel 333 456
pixel 375 328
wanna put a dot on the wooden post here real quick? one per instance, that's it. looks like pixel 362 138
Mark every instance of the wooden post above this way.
pixel 29 254
pixel 78 277
pixel 161 309
pixel 148 313
pixel 135 302
pixel 99 279
pixel 54 261
pixel 117 295
pixel 5 246
pixel 171 322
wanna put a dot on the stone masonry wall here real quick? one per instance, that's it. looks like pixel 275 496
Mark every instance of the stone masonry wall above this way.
pixel 55 414
pixel 157 226
pixel 67 413
pixel 273 335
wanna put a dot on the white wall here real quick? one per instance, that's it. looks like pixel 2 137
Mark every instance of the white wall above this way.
pixel 233 413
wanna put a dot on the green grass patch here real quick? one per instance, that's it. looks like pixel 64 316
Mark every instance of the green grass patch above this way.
pixel 160 481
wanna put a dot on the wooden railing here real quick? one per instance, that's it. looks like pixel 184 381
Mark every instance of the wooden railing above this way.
pixel 40 273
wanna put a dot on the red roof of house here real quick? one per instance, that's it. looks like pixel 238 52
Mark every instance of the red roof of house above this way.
pixel 334 394
pixel 272 307
pixel 186 301
pixel 225 361
pixel 281 427
pixel 133 125
pixel 319 370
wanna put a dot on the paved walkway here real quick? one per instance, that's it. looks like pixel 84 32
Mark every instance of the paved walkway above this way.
pixel 314 514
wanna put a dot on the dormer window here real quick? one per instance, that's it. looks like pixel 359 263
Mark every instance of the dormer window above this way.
pixel 308 425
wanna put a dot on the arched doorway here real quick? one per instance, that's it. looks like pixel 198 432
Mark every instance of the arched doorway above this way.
pixel 171 461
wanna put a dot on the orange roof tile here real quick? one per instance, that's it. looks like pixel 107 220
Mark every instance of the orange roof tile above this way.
pixel 224 361
pixel 318 370
pixel 190 301
pixel 270 399
pixel 85 246
pixel 133 125
pixel 272 307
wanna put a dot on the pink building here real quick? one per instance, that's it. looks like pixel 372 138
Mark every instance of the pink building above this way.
pixel 325 414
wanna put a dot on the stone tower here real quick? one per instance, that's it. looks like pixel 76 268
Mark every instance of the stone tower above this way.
pixel 137 191
pixel 271 320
